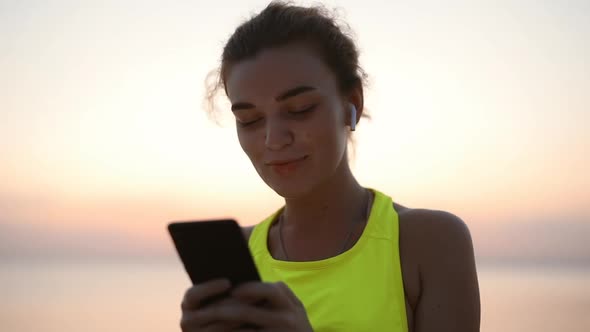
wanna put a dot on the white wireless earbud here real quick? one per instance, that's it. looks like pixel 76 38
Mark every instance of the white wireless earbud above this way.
pixel 352 117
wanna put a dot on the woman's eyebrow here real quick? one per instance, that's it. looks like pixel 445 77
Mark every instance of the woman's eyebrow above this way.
pixel 281 97
pixel 294 92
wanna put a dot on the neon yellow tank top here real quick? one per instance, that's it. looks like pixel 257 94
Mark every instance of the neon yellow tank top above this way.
pixel 358 290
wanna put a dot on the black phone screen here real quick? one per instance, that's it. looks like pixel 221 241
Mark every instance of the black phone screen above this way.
pixel 213 249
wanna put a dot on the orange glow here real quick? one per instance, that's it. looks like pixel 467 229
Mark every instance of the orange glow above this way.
pixel 102 130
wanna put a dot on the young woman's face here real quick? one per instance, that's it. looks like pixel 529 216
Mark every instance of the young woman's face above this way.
pixel 291 118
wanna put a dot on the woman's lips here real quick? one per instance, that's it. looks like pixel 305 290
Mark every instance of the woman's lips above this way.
pixel 286 167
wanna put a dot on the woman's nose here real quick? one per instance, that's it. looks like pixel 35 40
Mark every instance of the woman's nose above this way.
pixel 278 134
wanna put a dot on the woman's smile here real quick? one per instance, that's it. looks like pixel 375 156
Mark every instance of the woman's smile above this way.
pixel 286 167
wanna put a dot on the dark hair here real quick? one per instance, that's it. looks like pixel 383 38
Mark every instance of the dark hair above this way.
pixel 281 23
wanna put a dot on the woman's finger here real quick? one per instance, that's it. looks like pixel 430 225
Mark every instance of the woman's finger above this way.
pixel 214 327
pixel 195 295
pixel 260 292
pixel 289 293
pixel 238 312
pixel 246 329
pixel 204 320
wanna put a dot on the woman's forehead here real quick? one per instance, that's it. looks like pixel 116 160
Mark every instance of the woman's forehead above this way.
pixel 275 70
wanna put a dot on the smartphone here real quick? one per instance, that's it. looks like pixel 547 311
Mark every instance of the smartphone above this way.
pixel 213 249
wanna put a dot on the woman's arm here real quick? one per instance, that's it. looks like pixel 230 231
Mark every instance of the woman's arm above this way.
pixel 449 295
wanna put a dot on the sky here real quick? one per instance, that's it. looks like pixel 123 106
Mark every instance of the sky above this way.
pixel 478 108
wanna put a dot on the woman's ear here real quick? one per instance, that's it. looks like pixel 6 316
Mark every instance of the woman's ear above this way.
pixel 353 119
pixel 355 101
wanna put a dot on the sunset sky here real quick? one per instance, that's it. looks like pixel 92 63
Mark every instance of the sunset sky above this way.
pixel 478 108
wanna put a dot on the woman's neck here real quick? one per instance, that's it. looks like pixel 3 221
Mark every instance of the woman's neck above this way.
pixel 339 201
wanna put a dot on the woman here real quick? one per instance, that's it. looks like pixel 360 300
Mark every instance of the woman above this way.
pixel 338 256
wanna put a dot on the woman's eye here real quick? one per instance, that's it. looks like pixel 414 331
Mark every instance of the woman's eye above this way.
pixel 304 110
pixel 247 123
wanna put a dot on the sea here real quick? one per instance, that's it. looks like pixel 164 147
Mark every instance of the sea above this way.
pixel 144 295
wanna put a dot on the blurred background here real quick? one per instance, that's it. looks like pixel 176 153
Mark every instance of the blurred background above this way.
pixel 478 108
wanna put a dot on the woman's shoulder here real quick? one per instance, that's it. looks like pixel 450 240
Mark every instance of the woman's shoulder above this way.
pixel 431 224
pixel 247 231
pixel 431 234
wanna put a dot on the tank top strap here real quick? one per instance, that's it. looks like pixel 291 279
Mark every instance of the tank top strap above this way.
pixel 259 237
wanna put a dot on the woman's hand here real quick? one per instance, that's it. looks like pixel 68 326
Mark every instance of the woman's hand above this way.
pixel 254 306
pixel 269 307
pixel 199 297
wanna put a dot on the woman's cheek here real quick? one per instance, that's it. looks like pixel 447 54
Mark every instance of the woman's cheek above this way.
pixel 253 147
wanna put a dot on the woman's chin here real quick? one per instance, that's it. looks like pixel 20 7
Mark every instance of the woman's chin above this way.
pixel 289 189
